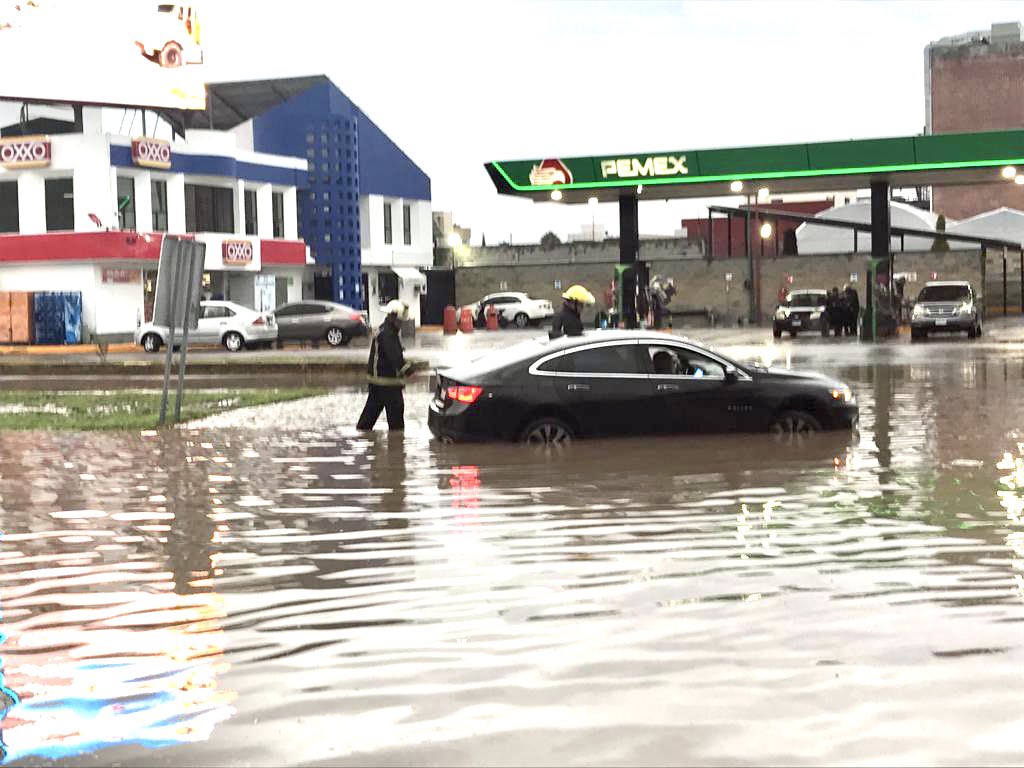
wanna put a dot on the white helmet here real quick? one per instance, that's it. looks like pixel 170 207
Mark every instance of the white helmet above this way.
pixel 396 307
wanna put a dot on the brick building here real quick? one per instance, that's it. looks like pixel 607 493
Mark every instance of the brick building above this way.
pixel 975 82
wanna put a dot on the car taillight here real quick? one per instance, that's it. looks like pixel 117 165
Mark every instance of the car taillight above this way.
pixel 357 317
pixel 467 395
pixel 259 321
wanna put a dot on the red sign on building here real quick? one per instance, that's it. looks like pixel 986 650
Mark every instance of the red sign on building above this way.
pixel 121 275
pixel 236 253
pixel 151 153
pixel 25 152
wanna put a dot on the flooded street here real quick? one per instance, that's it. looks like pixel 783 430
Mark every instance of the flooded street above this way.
pixel 297 593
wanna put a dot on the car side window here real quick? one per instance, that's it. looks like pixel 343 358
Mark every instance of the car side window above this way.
pixel 561 364
pixel 679 361
pixel 287 311
pixel 620 358
pixel 213 313
pixel 314 309
pixel 227 312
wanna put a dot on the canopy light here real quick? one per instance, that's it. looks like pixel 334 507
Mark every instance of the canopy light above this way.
pixel 766 231
pixel 1009 172
pixel 736 186
pixel 556 195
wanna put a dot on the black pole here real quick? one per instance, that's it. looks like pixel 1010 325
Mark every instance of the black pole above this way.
pixel 629 247
pixel 1020 279
pixel 711 238
pixel 984 279
pixel 728 236
pixel 1004 282
pixel 749 253
pixel 757 282
pixel 855 233
pixel 881 235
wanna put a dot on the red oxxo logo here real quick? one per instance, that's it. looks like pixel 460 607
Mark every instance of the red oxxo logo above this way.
pixel 550 172
pixel 236 252
pixel 25 152
pixel 151 153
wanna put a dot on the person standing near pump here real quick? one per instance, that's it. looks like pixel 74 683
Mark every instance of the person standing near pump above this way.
pixel 852 309
pixel 568 322
pixel 386 372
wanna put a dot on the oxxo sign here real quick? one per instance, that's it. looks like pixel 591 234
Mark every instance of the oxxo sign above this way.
pixel 236 253
pixel 634 167
pixel 151 153
pixel 25 152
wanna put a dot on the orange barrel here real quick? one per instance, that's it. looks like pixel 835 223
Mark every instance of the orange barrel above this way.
pixel 466 320
pixel 492 318
pixel 451 322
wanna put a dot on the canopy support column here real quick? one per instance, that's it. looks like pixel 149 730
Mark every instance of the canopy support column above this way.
pixel 629 248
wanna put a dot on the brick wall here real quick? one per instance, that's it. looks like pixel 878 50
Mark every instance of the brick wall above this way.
pixel 977 88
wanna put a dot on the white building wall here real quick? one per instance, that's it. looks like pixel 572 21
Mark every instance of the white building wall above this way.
pixel 32 203
pixel 176 203
pixel 291 213
pixel 265 211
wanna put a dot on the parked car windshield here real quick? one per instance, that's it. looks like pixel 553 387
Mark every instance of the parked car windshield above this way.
pixel 805 300
pixel 944 293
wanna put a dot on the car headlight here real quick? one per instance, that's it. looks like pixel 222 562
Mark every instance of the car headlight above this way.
pixel 815 315
pixel 966 309
pixel 781 314
pixel 843 394
pixel 918 310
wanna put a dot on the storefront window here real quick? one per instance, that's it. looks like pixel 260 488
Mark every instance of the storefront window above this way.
pixel 126 202
pixel 251 224
pixel 209 209
pixel 60 205
pixel 387 222
pixel 9 206
pixel 277 199
pixel 407 224
pixel 159 193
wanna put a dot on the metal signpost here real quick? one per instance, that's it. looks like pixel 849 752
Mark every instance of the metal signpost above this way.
pixel 178 282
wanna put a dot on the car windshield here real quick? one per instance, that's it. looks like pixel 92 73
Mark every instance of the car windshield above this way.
pixel 805 300
pixel 944 293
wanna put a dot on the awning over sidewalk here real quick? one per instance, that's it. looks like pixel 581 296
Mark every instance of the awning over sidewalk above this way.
pixel 410 275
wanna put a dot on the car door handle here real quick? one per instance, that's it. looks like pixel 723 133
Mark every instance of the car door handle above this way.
pixel 578 387
pixel 668 387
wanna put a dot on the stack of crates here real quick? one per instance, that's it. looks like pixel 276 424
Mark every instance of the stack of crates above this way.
pixel 58 317
pixel 16 317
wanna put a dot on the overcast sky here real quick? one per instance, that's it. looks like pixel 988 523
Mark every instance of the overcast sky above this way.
pixel 457 84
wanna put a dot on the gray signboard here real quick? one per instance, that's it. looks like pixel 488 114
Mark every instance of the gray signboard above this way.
pixel 181 268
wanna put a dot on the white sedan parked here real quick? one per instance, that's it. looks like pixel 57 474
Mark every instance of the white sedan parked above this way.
pixel 517 308
pixel 220 322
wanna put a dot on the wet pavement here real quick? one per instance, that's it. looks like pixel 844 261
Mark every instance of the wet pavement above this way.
pixel 273 588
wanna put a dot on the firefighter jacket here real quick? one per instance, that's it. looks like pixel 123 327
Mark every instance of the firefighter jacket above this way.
pixel 387 366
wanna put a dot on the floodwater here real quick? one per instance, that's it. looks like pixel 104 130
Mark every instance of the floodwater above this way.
pixel 299 594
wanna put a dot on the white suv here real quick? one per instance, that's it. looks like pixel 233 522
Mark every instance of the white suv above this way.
pixel 514 307
pixel 220 322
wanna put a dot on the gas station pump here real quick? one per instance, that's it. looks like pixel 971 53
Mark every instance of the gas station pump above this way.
pixel 631 302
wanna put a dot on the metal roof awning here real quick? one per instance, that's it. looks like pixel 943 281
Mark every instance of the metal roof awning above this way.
pixel 410 275
pixel 933 160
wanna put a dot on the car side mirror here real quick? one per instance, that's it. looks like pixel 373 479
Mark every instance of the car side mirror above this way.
pixel 731 376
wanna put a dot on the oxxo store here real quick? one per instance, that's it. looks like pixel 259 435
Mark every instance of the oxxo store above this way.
pixel 87 212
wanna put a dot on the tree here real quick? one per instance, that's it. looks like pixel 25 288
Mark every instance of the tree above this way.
pixel 940 244
pixel 550 240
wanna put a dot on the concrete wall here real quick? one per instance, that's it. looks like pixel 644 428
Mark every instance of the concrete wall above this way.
pixel 718 285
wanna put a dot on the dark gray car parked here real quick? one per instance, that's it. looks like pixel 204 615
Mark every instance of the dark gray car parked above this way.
pixel 319 321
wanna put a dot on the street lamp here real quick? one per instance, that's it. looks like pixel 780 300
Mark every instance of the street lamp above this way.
pixel 454 241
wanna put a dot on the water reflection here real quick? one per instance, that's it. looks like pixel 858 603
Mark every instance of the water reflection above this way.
pixel 313 594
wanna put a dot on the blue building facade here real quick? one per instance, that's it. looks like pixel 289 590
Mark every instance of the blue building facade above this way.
pixel 349 156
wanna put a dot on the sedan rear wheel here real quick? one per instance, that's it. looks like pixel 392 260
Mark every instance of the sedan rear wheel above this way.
pixel 547 431
pixel 522 320
pixel 794 424
pixel 151 342
pixel 336 337
pixel 233 342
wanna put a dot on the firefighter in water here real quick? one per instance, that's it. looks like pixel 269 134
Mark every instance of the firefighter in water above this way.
pixel 568 322
pixel 387 371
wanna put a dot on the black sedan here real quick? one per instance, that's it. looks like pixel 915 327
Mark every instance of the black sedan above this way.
pixel 627 383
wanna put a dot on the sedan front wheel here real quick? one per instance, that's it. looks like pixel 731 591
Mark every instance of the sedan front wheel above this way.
pixel 794 424
pixel 233 342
